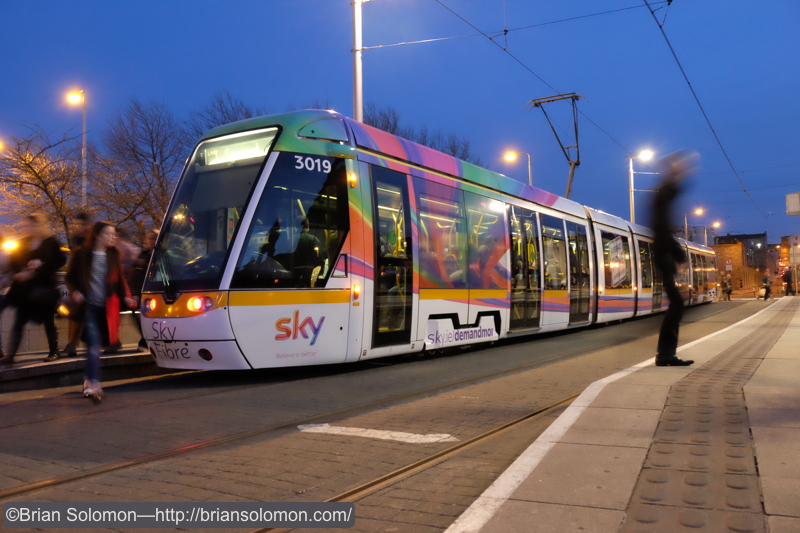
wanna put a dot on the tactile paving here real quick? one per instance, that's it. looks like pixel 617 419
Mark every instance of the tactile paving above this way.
pixel 700 472
pixel 658 518
pixel 701 458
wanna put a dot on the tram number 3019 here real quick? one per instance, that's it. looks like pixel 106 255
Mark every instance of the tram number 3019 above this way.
pixel 312 163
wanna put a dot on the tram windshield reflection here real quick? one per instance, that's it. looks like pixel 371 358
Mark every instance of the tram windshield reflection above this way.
pixel 206 210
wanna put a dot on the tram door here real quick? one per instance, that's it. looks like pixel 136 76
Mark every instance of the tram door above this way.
pixel 579 273
pixel 647 292
pixel 697 278
pixel 526 290
pixel 393 262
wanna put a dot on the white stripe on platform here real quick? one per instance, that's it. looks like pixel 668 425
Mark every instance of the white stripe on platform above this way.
pixel 487 504
pixel 399 436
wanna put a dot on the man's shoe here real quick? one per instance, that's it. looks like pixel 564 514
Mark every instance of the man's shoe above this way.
pixel 673 361
pixel 7 360
pixel 54 356
pixel 114 348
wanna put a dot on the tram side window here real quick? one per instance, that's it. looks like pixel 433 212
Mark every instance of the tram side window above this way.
pixel 616 261
pixel 555 253
pixel 299 225
pixel 487 243
pixel 442 236
pixel 647 265
pixel 711 268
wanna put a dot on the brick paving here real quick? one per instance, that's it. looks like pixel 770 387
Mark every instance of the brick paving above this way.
pixel 287 465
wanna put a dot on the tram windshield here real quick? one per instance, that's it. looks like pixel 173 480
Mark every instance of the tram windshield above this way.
pixel 206 210
pixel 298 227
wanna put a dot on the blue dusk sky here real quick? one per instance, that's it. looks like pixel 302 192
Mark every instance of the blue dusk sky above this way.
pixel 740 57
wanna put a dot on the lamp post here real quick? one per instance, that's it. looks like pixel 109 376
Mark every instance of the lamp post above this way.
pixel 358 95
pixel 698 211
pixel 644 155
pixel 76 98
pixel 511 156
pixel 716 226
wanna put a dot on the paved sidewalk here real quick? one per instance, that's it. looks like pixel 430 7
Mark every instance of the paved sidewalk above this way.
pixel 710 447
pixel 31 371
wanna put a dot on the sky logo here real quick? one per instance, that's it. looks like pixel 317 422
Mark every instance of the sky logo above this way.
pixel 290 328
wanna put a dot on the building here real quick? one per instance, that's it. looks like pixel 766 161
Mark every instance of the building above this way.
pixel 755 245
pixel 746 258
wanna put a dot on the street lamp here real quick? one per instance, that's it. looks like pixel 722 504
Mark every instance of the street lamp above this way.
pixel 512 156
pixel 358 95
pixel 644 155
pixel 698 211
pixel 76 98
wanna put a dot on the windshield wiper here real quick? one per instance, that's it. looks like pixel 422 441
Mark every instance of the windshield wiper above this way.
pixel 165 269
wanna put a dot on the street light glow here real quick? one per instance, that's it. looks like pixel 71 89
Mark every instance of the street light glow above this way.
pixel 716 224
pixel 646 155
pixel 75 98
pixel 512 156
pixel 698 211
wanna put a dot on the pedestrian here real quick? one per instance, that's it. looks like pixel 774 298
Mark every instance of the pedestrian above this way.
pixel 128 252
pixel 83 225
pixel 766 284
pixel 727 287
pixel 787 278
pixel 309 256
pixel 136 277
pixel 34 290
pixel 5 281
pixel 668 253
pixel 96 282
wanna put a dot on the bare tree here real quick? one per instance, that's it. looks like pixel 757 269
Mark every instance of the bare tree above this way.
pixel 40 175
pixel 145 152
pixel 388 120
pixel 224 108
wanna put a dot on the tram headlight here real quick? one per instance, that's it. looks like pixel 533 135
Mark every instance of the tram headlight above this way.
pixel 356 291
pixel 198 304
pixel 149 305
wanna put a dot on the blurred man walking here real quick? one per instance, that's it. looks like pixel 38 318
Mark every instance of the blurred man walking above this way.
pixel 668 253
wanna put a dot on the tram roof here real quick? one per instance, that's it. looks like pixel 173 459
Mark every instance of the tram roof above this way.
pixel 375 143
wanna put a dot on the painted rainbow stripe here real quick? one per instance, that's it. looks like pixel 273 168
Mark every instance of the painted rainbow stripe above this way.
pixel 377 140
pixel 615 304
pixel 555 301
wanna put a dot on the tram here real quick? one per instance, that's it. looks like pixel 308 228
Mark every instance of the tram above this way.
pixel 309 238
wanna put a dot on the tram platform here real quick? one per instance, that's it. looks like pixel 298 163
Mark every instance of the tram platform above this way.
pixel 710 447
pixel 30 370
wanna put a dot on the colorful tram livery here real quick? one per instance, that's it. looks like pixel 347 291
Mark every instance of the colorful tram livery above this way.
pixel 309 238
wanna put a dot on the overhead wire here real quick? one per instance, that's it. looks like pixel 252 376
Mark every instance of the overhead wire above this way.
pixel 700 105
pixel 506 31
pixel 526 67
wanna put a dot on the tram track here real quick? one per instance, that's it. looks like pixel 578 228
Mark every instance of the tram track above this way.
pixel 365 489
pixel 203 445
